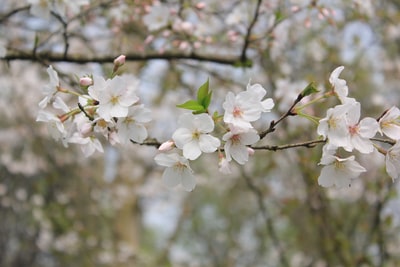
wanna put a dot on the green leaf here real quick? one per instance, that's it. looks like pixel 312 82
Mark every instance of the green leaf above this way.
pixel 309 90
pixel 207 100
pixel 191 105
pixel 202 92
pixel 279 16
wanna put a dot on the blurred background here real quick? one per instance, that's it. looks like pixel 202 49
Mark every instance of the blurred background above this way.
pixel 58 208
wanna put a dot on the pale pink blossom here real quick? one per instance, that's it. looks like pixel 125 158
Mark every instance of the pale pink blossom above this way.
pixel 115 95
pixel 193 135
pixel 178 171
pixel 50 89
pixel 131 127
pixel 236 144
pixel 393 161
pixel 390 123
pixel 338 171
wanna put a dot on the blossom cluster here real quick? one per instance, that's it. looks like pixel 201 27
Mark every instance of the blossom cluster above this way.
pixel 111 108
pixel 343 129
pixel 193 137
pixel 106 107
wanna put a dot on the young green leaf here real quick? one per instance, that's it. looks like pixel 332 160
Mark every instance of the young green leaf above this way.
pixel 202 92
pixel 191 105
pixel 309 90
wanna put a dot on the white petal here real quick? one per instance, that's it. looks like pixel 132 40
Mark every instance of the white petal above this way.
pixel 327 176
pixel 167 160
pixel 171 177
pixel 267 104
pixel 204 123
pixel 368 127
pixel 249 138
pixel 239 153
pixel 208 143
pixel 191 150
pixel 182 136
pixel 188 180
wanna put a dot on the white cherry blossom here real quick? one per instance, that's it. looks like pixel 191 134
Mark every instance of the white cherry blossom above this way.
pixel 338 171
pixel 178 171
pixel 360 132
pixel 246 106
pixel 193 135
pixel 393 161
pixel 131 127
pixel 50 89
pixel 54 125
pixel 115 95
pixel 88 144
pixel 334 125
pixel 339 85
pixel 390 123
pixel 236 144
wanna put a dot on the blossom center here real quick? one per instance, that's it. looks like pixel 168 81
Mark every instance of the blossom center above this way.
pixel 114 100
pixel 237 112
pixel 339 165
pixel 235 139
pixel 196 135
pixel 353 129
pixel 332 122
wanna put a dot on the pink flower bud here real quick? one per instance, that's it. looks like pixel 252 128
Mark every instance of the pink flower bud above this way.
pixel 119 61
pixel 200 5
pixel 250 151
pixel 85 81
pixel 86 129
pixel 166 146
pixel 149 39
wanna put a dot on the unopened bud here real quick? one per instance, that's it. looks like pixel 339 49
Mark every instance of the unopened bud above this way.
pixel 200 5
pixel 85 81
pixel 86 129
pixel 119 61
pixel 250 151
pixel 166 146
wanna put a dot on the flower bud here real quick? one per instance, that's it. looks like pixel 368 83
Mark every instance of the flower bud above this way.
pixel 200 5
pixel 166 146
pixel 119 61
pixel 250 151
pixel 85 81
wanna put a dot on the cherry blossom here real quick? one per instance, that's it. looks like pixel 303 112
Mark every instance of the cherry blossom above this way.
pixel 115 95
pixel 334 125
pixel 54 125
pixel 338 171
pixel 360 132
pixel 193 135
pixel 246 106
pixel 393 161
pixel 43 8
pixel 236 144
pixel 390 123
pixel 131 127
pixel 339 85
pixel 50 89
pixel 88 144
pixel 178 171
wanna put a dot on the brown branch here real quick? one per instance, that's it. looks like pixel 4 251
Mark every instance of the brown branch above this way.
pixel 83 59
pixel 308 144
pixel 6 16
pixel 288 113
pixel 243 57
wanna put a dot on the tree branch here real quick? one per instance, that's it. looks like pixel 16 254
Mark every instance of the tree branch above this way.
pixel 83 59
